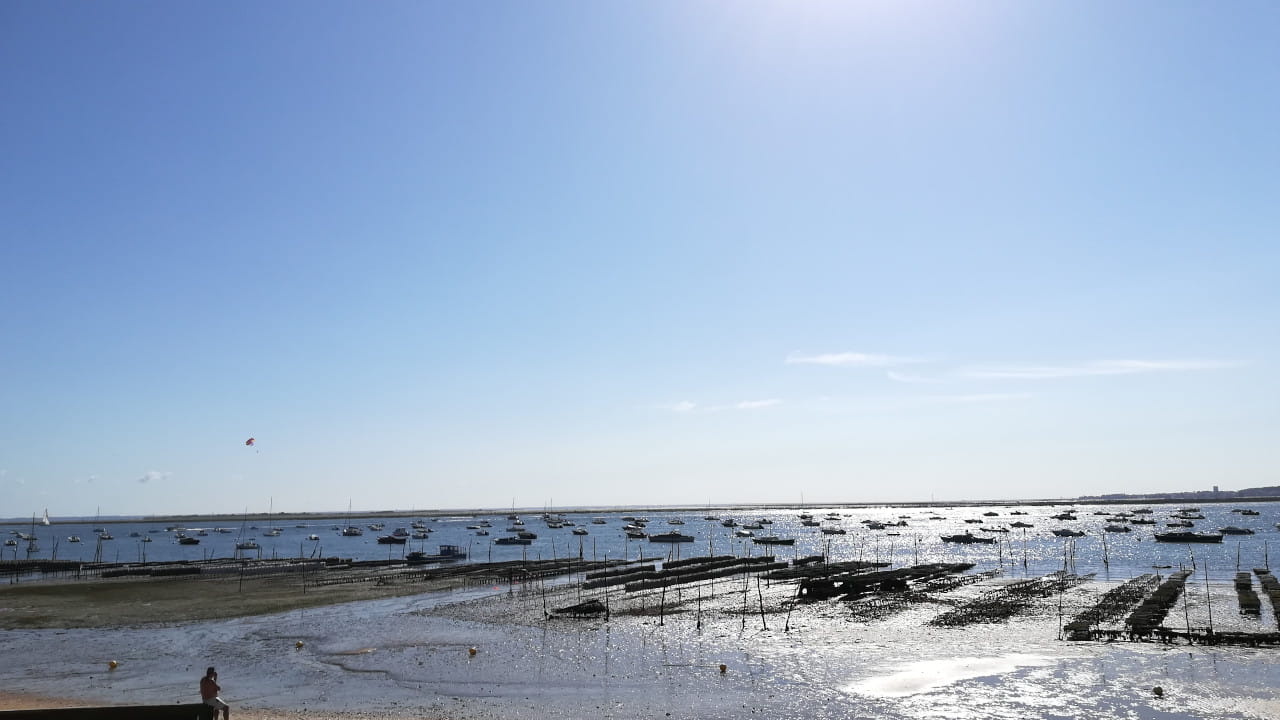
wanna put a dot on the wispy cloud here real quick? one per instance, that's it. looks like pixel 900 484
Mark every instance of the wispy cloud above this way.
pixel 154 476
pixel 757 404
pixel 902 377
pixel 686 406
pixel 977 398
pixel 1091 369
pixel 849 359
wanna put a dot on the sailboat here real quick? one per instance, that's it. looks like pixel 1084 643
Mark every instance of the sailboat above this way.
pixel 271 509
pixel 32 545
pixel 45 521
pixel 350 530
pixel 241 543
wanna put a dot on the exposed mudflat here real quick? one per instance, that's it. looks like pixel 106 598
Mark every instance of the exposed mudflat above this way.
pixel 408 655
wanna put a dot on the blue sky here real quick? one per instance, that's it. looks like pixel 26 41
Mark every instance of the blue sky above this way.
pixel 440 255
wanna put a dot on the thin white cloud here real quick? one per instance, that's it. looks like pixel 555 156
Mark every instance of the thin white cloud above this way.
pixel 686 406
pixel 978 398
pixel 1091 369
pixel 154 476
pixel 849 359
pixel 757 404
pixel 902 377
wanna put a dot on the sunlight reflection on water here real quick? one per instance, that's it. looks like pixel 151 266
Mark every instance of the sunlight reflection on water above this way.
pixel 928 675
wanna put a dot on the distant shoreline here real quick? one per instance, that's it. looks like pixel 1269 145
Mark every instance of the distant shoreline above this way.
pixel 234 518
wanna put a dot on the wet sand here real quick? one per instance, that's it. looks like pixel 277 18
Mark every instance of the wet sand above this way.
pixel 133 601
pixel 401 655
pixel 21 701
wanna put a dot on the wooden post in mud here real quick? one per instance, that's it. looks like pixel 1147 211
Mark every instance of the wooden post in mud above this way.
pixel 1062 584
pixel 760 594
pixel 1106 560
pixel 1186 612
pixel 1208 599
pixel 744 602
pixel 662 605
pixel 786 626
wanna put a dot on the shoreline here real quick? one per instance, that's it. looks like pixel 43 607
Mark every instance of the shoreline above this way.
pixel 233 518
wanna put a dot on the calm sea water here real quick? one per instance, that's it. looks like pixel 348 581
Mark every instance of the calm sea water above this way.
pixel 1033 551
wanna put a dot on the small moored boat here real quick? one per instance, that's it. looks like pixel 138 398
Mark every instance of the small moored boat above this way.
pixel 967 539
pixel 670 537
pixel 1188 537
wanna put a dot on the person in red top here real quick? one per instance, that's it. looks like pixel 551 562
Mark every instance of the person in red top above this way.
pixel 209 694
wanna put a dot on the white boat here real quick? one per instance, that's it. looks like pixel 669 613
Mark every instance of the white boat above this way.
pixel 45 521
